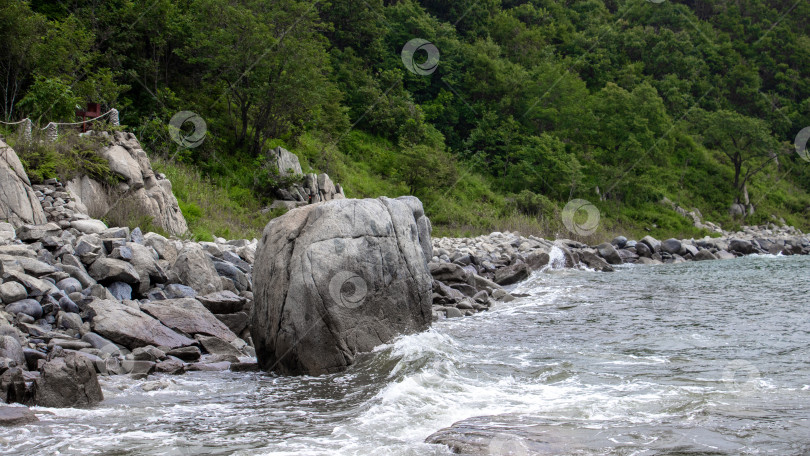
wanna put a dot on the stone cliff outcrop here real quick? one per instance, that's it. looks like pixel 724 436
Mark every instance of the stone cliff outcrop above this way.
pixel 336 279
pixel 18 202
pixel 141 191
pixel 313 188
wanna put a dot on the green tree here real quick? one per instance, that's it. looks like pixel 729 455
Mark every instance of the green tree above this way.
pixel 746 142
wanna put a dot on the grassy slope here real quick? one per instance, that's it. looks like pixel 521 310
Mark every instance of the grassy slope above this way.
pixel 220 206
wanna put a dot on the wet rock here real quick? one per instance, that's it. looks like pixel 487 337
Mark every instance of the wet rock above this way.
pixel 68 382
pixel 170 366
pixel 357 266
pixel 131 327
pixel 512 274
pixel 671 246
pixel 723 255
pixel 741 246
pixel 217 346
pixel 185 353
pixel 609 253
pixel 15 416
pixel 703 255
pixel 594 261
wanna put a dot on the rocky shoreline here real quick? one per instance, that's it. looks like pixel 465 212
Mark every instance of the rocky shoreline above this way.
pixel 470 273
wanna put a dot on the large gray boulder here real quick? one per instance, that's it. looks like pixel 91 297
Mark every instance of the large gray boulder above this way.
pixel 68 382
pixel 130 327
pixel 335 279
pixel 19 204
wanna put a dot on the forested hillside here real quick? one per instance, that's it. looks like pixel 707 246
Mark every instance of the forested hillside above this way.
pixel 503 112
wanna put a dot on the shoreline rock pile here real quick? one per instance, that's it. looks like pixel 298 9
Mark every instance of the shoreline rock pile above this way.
pixel 87 300
pixel 470 273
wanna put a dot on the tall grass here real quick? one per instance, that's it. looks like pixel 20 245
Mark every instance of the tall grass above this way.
pixel 208 206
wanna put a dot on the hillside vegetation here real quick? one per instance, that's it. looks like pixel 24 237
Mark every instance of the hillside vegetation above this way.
pixel 502 113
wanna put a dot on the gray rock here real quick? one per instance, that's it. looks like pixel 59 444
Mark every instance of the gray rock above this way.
pixel 69 320
pixel 188 316
pixel 34 267
pixel 512 274
pixel 689 249
pixel 108 270
pixel 448 272
pixel 653 243
pixel 195 269
pixel 91 226
pixel 35 287
pixel 703 255
pixel 230 271
pixel 176 291
pixel 122 253
pixel 26 306
pixel 165 248
pixel 452 312
pixel 648 261
pixel 335 279
pixel 122 291
pixel 136 236
pixel 16 416
pixel 88 248
pixel 10 348
pixel 33 233
pixel 222 302
pixel 671 246
pixel 286 162
pixel 69 285
pixel 217 346
pixel 593 261
pixel 724 255
pixel 236 322
pixel 68 382
pixel 619 242
pixel 609 253
pixel 131 327
pixel 68 305
pixel 12 292
pixel 741 246
pixel 186 353
pixel 643 250
pixel 99 342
